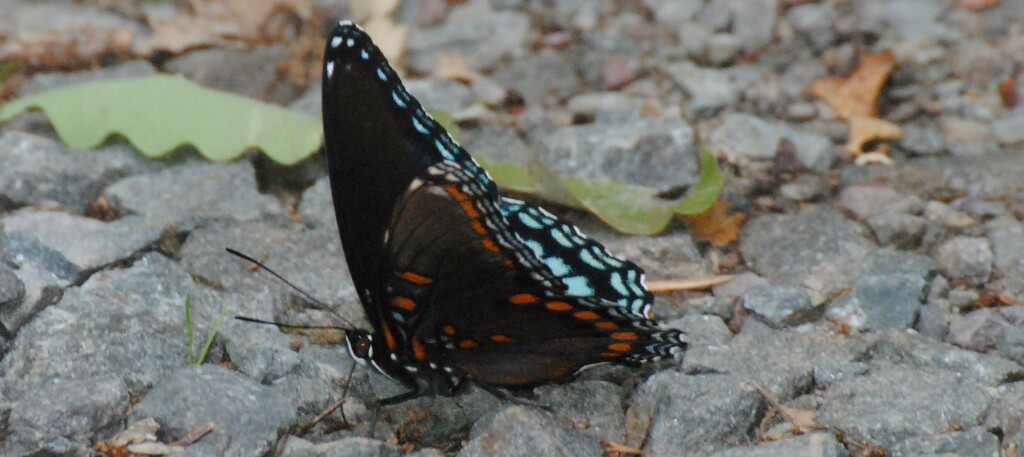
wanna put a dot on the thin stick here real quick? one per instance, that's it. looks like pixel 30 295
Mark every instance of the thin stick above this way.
pixel 688 284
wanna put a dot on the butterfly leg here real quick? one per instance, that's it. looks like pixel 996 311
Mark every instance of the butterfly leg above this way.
pixel 400 398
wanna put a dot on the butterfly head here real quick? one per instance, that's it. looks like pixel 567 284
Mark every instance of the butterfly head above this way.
pixel 360 345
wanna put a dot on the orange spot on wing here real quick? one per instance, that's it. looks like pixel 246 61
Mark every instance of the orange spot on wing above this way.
pixel 606 325
pixel 489 244
pixel 448 330
pixel 389 338
pixel 557 306
pixel 478 227
pixel 403 303
pixel 624 336
pixel 621 347
pixel 416 278
pixel 470 210
pixel 611 355
pixel 418 351
pixel 523 299
pixel 559 371
pixel 467 344
pixel 454 191
pixel 586 315
pixel 502 339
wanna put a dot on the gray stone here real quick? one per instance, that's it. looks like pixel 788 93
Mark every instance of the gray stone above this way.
pixel 39 170
pixel 817 444
pixel 917 21
pixel 1007 237
pixel 867 201
pixel 905 348
pixel 709 89
pixel 481 35
pixel 674 12
pixel 605 107
pixel 310 101
pixel 440 94
pixel 12 290
pixel 816 248
pixel 65 413
pixel 347 447
pixel 744 138
pixel 892 404
pixel 497 143
pixel 933 322
pixel 248 417
pixel 922 139
pixel 815 22
pixel 787 363
pixel 780 304
pixel 246 72
pixel 540 77
pixel 803 188
pixel 518 431
pixel 891 261
pixel 1012 345
pixel 70 246
pixel 672 414
pixel 1006 413
pixel 723 47
pixel 754 22
pixel 902 231
pixel 127 324
pixel 702 329
pixel 878 302
pixel 979 330
pixel 654 153
pixel 945 215
pixel 595 405
pixel 739 285
pixel 189 195
pixel 965 257
pixel 1009 131
pixel 46 81
pixel 975 442
pixel 317 206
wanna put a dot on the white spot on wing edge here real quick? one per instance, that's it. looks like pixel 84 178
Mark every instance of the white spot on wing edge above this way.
pixel 330 69
pixel 335 42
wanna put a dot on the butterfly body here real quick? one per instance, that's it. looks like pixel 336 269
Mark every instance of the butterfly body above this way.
pixel 459 283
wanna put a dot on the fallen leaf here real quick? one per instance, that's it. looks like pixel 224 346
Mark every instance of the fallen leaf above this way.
pixel 716 225
pixel 613 449
pixel 873 158
pixel 208 23
pixel 688 284
pixel 1008 91
pixel 857 94
pixel 453 66
pixel 864 129
pixel 978 5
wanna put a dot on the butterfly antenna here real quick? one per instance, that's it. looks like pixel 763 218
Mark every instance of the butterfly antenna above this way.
pixel 317 303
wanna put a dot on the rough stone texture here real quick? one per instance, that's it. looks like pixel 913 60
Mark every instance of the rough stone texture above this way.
pixel 244 72
pixel 780 304
pixel 902 231
pixel 112 326
pixel 673 414
pixel 57 417
pixel 249 417
pixel 659 154
pixel 1007 413
pixel 744 138
pixel 891 404
pixel 709 89
pixel 816 248
pixel 188 195
pixel 867 201
pixel 965 257
pixel 980 330
pixel 72 246
pixel 1006 235
pixel 878 302
pixel 785 362
pixel 317 206
pixel 347 447
pixel 905 348
pixel 38 170
pixel 702 329
pixel 473 31
pixel 12 290
pixel 818 444
pixel 518 431
pixel 595 405
pixel 975 442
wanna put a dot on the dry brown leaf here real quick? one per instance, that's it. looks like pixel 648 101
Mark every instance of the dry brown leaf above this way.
pixel 218 22
pixel 716 225
pixel 453 66
pixel 688 284
pixel 613 449
pixel 857 94
pixel 71 49
pixel 978 5
pixel 1008 91
pixel 389 36
pixel 865 129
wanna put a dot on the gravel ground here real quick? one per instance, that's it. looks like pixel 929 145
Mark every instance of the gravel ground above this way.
pixel 876 307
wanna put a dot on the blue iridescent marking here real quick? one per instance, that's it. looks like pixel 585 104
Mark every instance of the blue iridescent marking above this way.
pixel 560 238
pixel 398 100
pixel 589 259
pixel 444 151
pixel 534 246
pixel 381 75
pixel 579 285
pixel 557 266
pixel 530 221
pixel 419 127
pixel 616 281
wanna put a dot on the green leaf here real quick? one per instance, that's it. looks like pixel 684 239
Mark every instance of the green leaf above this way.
pixel 188 327
pixel 213 333
pixel 637 210
pixel 161 112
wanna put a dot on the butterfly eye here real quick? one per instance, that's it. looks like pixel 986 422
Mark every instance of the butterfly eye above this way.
pixel 360 346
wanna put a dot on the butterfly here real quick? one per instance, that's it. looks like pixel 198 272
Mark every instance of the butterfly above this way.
pixel 458 282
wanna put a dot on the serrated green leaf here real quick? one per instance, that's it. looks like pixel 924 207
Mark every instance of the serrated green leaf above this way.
pixel 160 113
